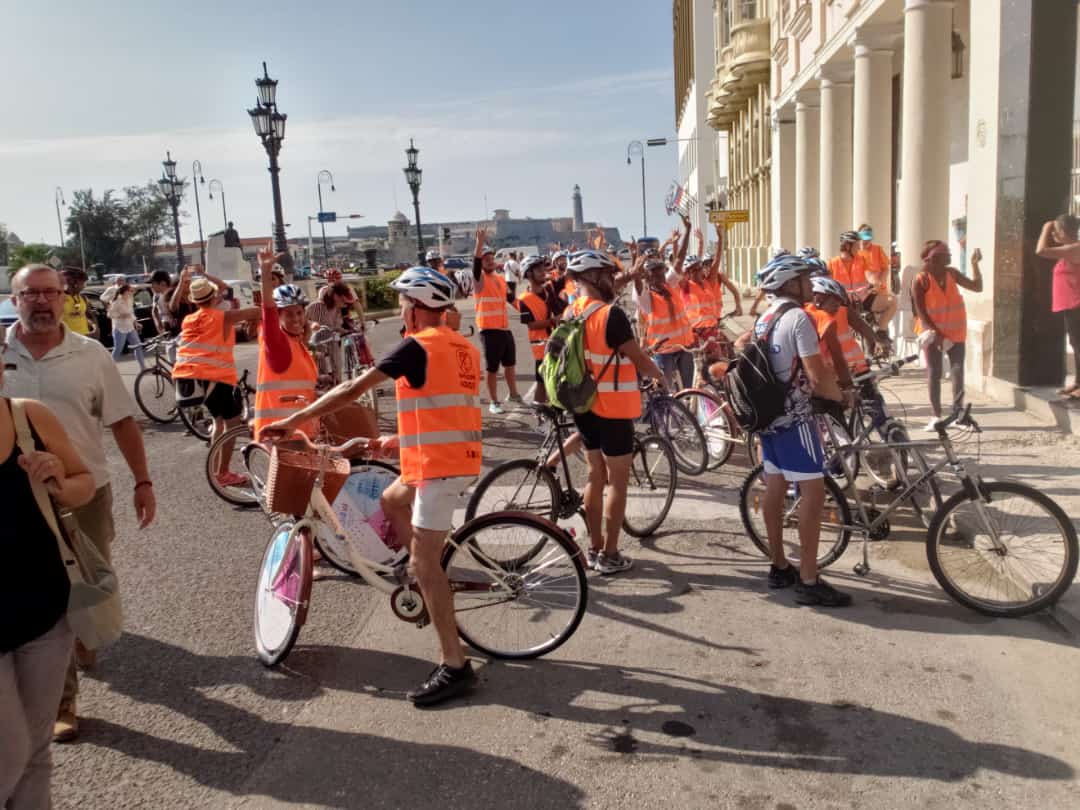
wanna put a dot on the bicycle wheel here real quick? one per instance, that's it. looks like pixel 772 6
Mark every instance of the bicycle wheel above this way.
pixel 1030 566
pixel 237 494
pixel 156 395
pixel 832 444
pixel 836 515
pixel 197 420
pixel 716 423
pixel 884 464
pixel 282 592
pixel 674 421
pixel 358 508
pixel 651 489
pixel 257 467
pixel 526 604
pixel 521 485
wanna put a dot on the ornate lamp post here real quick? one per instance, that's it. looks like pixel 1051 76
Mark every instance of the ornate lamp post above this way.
pixel 196 178
pixel 59 221
pixel 326 176
pixel 637 149
pixel 270 127
pixel 172 188
pixel 221 191
pixel 412 177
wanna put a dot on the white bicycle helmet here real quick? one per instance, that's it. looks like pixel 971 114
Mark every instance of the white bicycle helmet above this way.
pixel 289 295
pixel 823 285
pixel 818 266
pixel 781 252
pixel 432 255
pixel 586 260
pixel 425 286
pixel 849 236
pixel 780 271
pixel 690 261
pixel 808 252
pixel 530 263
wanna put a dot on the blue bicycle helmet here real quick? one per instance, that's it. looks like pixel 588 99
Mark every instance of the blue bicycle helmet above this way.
pixel 289 295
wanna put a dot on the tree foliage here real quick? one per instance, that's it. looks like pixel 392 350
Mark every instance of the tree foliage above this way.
pixel 149 220
pixel 30 253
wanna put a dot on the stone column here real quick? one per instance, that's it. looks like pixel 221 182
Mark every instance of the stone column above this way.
pixel 807 175
pixel 872 191
pixel 924 155
pixel 783 181
pixel 835 188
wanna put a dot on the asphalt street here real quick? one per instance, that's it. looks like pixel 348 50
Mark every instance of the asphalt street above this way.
pixel 688 682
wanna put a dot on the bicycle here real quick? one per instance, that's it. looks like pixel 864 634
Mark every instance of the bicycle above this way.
pixel 194 413
pixel 974 552
pixel 666 416
pixel 154 390
pixel 530 485
pixel 706 401
pixel 510 609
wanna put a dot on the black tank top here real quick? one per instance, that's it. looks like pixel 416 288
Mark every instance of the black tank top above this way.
pixel 34 594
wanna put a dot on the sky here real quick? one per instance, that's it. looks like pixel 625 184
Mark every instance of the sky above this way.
pixel 513 102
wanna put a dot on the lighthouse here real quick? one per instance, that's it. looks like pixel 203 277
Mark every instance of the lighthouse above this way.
pixel 579 216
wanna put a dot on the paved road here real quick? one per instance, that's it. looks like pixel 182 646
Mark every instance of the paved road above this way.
pixel 688 682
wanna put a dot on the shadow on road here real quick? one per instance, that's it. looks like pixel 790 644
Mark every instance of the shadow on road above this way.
pixel 311 766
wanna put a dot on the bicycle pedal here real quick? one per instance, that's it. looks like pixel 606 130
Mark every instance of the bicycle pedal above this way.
pixel 423 621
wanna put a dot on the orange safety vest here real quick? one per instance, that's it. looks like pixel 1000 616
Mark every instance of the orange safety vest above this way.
pixel 945 308
pixel 617 394
pixel 702 308
pixel 298 380
pixel 875 261
pixel 853 353
pixel 205 348
pixel 853 275
pixel 490 295
pixel 439 424
pixel 537 337
pixel 672 324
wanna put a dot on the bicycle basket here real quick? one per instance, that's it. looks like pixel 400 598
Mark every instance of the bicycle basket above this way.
pixel 292 475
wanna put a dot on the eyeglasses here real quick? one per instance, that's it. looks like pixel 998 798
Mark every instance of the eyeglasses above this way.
pixel 50 294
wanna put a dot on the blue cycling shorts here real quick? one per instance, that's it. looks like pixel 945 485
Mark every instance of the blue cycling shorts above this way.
pixel 794 452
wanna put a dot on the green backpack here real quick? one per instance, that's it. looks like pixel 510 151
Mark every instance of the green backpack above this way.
pixel 565 368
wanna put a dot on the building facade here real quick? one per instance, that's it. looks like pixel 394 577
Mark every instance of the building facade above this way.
pixel 693 25
pixel 927 121
pixel 740 107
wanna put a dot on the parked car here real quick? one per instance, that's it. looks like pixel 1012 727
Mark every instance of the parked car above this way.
pixel 456 263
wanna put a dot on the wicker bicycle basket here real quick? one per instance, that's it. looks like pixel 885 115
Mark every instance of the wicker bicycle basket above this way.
pixel 292 478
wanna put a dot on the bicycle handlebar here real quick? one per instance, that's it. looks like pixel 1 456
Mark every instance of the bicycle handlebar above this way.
pixel 891 369
pixel 329 449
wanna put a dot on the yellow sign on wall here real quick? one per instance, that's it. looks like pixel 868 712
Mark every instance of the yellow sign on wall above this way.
pixel 729 217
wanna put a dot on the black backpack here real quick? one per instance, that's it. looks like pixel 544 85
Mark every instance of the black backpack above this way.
pixel 757 397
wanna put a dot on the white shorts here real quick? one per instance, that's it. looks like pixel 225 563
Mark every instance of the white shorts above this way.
pixel 436 499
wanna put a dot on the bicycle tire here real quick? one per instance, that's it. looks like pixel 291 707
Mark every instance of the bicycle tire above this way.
pixel 674 421
pixel 718 425
pixel 198 421
pixel 246 497
pixel 883 464
pixel 654 476
pixel 949 519
pixel 836 515
pixel 472 575
pixel 257 466
pixel 834 469
pixel 539 479
pixel 160 389
pixel 334 555
pixel 281 607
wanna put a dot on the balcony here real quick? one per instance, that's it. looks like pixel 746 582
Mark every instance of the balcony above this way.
pixel 745 59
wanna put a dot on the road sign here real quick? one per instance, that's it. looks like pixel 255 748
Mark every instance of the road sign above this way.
pixel 328 216
pixel 729 217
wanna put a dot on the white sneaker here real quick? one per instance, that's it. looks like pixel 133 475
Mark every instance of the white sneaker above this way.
pixel 516 399
pixel 612 563
pixel 931 426
pixel 495 408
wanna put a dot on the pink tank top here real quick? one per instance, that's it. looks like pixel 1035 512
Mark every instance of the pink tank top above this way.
pixel 1066 289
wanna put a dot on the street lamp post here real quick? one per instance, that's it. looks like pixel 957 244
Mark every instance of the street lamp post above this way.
pixel 413 175
pixel 59 221
pixel 269 125
pixel 172 188
pixel 328 177
pixel 221 191
pixel 637 149
pixel 196 178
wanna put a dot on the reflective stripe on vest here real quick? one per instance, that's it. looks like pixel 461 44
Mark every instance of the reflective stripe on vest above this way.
pixel 617 394
pixel 672 326
pixel 946 309
pixel 272 388
pixel 852 276
pixel 490 296
pixel 439 424
pixel 701 308
pixel 537 337
pixel 853 353
pixel 205 348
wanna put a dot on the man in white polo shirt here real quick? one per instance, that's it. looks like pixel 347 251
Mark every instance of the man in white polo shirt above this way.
pixel 75 376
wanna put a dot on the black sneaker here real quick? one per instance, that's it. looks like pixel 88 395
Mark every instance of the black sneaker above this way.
pixel 443 683
pixel 821 593
pixel 782 577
